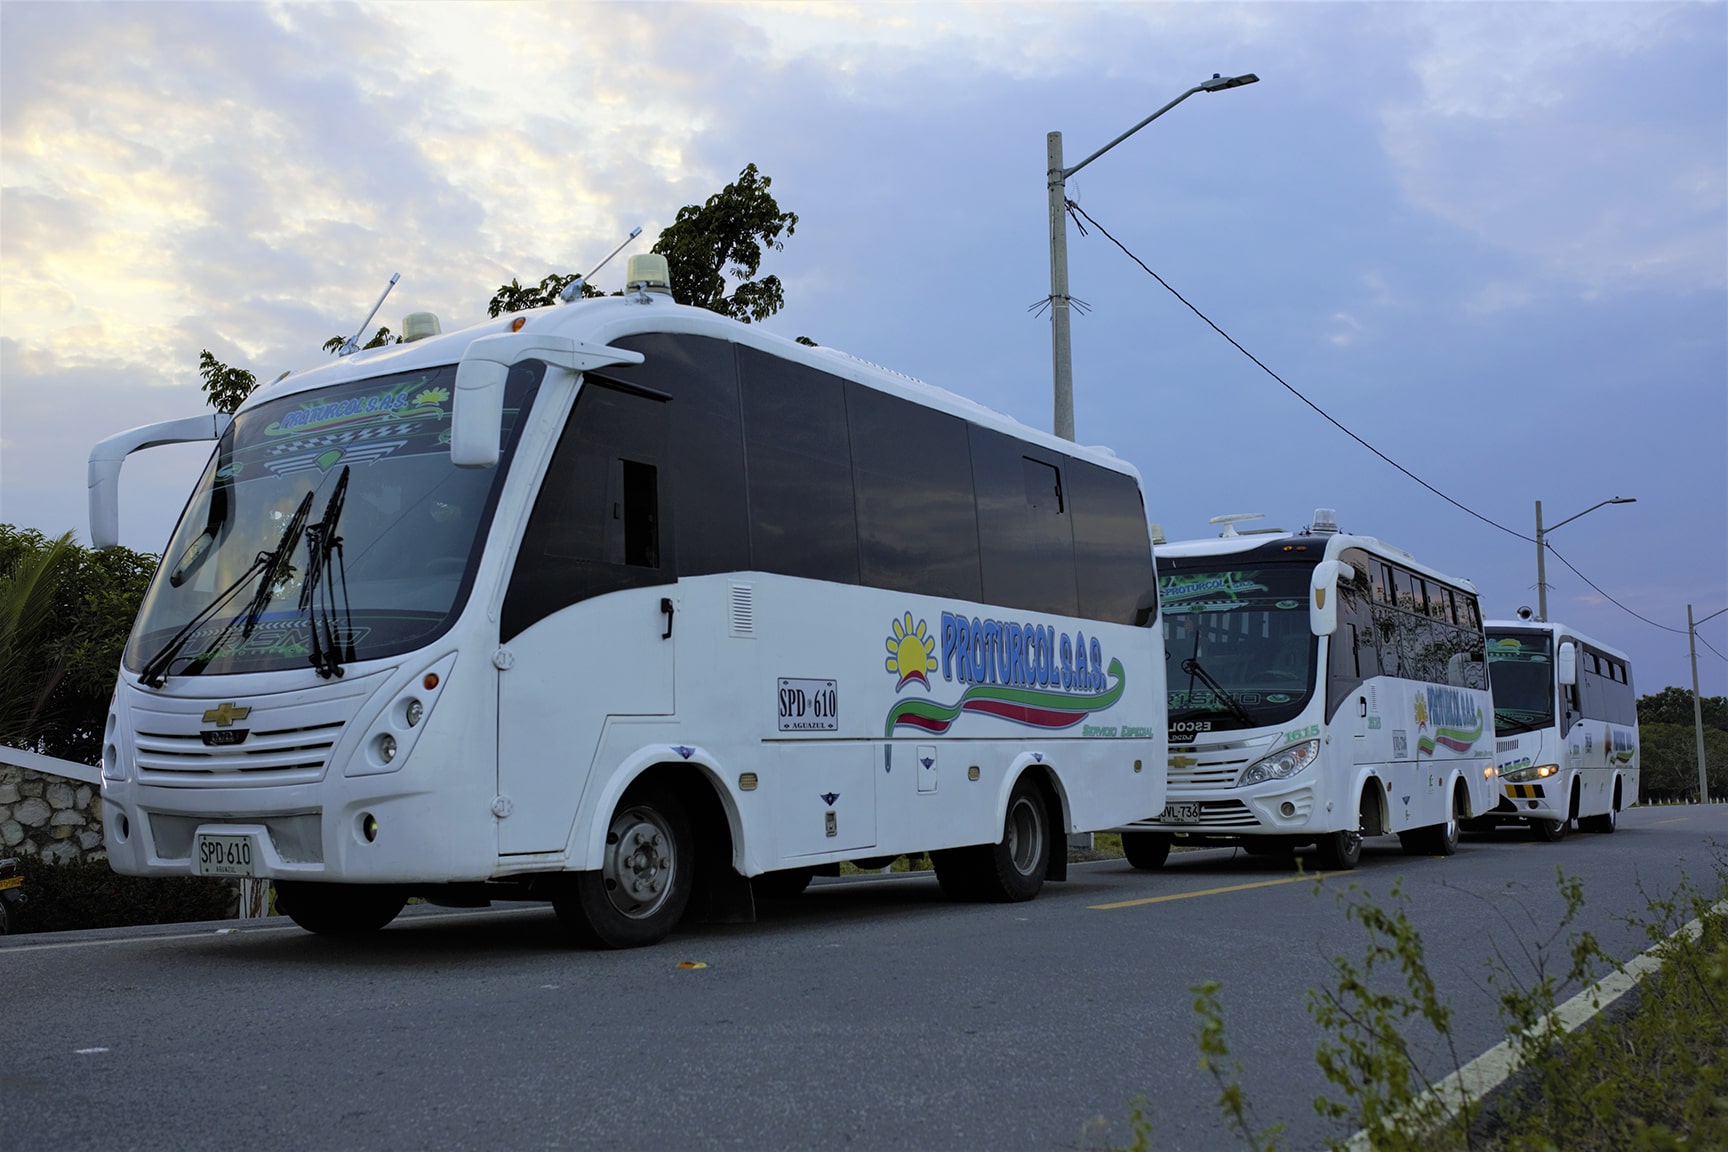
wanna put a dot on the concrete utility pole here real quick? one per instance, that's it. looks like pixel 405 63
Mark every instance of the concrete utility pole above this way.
pixel 1056 180
pixel 1697 704
pixel 1541 545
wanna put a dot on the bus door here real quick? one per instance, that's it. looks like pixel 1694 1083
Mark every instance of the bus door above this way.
pixel 589 624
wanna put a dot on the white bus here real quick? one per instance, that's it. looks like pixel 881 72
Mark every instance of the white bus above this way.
pixel 621 604
pixel 1323 687
pixel 1566 728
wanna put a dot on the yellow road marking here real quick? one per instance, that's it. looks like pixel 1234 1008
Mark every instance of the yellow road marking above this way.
pixel 1208 891
pixel 1676 820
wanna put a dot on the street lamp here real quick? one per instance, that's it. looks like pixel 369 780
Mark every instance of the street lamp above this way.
pixel 1057 178
pixel 1541 560
pixel 1697 706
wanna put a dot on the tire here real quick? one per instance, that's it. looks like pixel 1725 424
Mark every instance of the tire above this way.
pixel 1340 851
pixel 339 909
pixel 785 885
pixel 1604 823
pixel 1548 831
pixel 1435 839
pixel 1146 851
pixel 645 879
pixel 1012 869
pixel 5 919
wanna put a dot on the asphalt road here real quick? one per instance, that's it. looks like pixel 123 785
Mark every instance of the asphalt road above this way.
pixel 865 1014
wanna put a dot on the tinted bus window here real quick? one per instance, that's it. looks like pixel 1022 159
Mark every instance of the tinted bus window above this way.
pixel 1112 550
pixel 1025 531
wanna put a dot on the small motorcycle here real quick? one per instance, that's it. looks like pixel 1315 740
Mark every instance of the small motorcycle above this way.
pixel 11 892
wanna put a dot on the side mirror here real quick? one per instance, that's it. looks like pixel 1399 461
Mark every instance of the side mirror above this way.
pixel 1146 608
pixel 477 410
pixel 106 458
pixel 1566 667
pixel 1323 595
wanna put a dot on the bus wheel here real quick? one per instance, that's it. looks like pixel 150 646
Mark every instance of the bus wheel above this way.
pixel 1146 850
pixel 339 909
pixel 782 885
pixel 645 877
pixel 1603 823
pixel 1549 831
pixel 1013 868
pixel 1339 851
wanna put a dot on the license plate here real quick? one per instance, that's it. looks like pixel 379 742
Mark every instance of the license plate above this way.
pixel 224 855
pixel 11 882
pixel 1180 814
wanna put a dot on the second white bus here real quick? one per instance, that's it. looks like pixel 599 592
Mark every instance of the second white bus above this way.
pixel 1324 687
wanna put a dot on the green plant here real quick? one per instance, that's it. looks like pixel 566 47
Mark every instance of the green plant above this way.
pixel 1367 1052
pixel 1214 1053
pixel 88 894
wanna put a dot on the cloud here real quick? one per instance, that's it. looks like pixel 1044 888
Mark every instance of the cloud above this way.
pixel 1573 137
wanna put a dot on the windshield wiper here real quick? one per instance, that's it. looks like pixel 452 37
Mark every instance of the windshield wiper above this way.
pixel 155 670
pixel 322 544
pixel 1193 668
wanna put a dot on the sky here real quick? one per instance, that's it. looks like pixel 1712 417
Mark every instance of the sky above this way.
pixel 1490 239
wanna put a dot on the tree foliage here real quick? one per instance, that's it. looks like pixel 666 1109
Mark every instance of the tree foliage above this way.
pixel 517 297
pixel 225 387
pixel 724 239
pixel 1674 706
pixel 76 609
pixel 379 338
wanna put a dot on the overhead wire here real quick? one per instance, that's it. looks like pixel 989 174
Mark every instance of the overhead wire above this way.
pixel 1081 218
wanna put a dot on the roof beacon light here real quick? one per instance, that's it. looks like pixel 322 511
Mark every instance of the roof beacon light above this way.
pixel 1230 521
pixel 1325 521
pixel 418 326
pixel 647 272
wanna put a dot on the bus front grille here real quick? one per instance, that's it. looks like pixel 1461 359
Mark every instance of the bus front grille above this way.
pixel 265 756
pixel 1201 769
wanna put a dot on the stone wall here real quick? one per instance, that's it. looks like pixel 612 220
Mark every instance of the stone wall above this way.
pixel 49 816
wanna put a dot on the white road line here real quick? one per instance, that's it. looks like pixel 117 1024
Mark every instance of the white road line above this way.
pixel 1497 1065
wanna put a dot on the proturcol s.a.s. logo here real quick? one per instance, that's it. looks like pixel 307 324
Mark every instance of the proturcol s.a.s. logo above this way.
pixel 1457 721
pixel 1027 673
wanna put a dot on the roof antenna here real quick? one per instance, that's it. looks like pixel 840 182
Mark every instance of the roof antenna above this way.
pixel 573 290
pixel 352 344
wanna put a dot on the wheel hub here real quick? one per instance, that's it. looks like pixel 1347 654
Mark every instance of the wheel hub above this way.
pixel 640 862
pixel 1025 837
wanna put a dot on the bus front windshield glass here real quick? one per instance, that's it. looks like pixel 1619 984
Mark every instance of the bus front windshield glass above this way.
pixel 328 526
pixel 1521 669
pixel 1238 649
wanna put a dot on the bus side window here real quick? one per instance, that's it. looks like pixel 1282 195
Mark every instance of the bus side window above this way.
pixel 1025 533
pixel 599 524
pixel 798 465
pixel 1112 550
pixel 917 516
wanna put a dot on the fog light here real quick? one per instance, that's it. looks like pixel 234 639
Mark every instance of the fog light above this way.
pixel 386 747
pixel 1286 809
pixel 369 827
pixel 1530 803
pixel 416 712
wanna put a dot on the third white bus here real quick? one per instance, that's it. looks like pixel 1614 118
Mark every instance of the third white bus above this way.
pixel 1565 726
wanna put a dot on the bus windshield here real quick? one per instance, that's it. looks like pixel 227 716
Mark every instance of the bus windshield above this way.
pixel 366 463
pixel 1521 669
pixel 1238 650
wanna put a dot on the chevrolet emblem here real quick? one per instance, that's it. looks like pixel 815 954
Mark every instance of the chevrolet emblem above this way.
pixel 1183 761
pixel 224 714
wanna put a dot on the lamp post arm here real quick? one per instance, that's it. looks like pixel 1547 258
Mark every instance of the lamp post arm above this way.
pixel 1587 511
pixel 1067 172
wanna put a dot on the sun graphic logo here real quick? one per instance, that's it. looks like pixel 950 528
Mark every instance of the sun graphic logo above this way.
pixel 433 396
pixel 911 652
pixel 1421 713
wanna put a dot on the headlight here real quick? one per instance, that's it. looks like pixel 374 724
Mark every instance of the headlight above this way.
pixel 1534 772
pixel 1282 764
